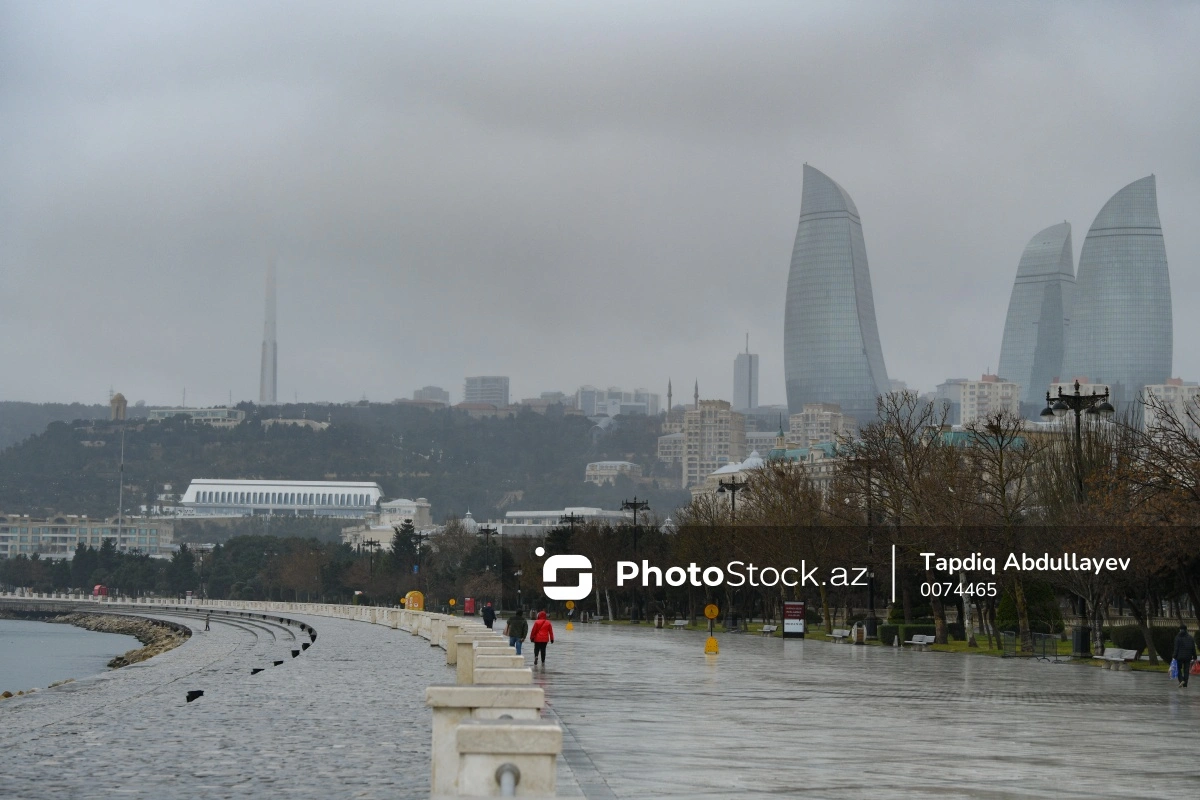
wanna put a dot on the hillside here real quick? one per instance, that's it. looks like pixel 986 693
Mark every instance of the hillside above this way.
pixel 528 461
pixel 19 421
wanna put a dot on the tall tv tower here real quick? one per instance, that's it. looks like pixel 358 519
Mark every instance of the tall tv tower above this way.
pixel 267 375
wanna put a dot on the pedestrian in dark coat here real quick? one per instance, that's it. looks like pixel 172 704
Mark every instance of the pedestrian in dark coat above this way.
pixel 1185 653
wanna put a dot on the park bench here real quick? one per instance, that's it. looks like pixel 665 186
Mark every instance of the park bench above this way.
pixel 1118 659
pixel 840 635
pixel 679 624
pixel 921 641
pixel 769 630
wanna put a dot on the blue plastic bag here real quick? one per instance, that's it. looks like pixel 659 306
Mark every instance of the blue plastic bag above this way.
pixel 1174 669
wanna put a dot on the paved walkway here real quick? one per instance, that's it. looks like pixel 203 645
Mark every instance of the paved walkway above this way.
pixel 648 715
pixel 345 719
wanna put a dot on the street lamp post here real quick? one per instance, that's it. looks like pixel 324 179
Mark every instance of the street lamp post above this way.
pixel 1094 403
pixel 732 486
pixel 635 505
pixel 571 519
pixel 487 532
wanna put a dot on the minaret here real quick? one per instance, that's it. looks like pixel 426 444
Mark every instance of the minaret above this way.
pixel 696 396
pixel 669 406
pixel 267 375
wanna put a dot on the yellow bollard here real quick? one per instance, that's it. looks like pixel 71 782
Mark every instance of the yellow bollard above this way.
pixel 710 647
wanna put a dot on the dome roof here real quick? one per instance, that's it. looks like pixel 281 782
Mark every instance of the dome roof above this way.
pixel 469 524
pixel 753 462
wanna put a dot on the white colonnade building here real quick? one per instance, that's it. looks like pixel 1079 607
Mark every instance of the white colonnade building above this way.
pixel 209 497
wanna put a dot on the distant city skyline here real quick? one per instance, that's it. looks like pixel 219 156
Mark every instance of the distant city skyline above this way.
pixel 618 209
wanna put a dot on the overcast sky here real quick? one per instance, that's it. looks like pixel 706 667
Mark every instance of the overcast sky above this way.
pixel 565 193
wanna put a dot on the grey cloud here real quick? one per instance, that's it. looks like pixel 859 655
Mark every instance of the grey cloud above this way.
pixel 575 193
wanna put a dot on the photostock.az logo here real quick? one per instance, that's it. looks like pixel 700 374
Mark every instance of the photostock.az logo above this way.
pixel 564 562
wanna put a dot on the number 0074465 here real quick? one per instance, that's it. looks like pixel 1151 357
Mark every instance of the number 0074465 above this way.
pixel 947 588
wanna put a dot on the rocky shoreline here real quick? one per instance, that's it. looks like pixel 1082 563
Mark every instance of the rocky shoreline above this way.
pixel 155 637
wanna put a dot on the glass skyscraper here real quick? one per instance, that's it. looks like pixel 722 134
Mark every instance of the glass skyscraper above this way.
pixel 1121 332
pixel 831 347
pixel 1039 312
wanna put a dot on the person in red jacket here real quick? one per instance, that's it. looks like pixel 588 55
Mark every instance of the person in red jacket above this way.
pixel 541 634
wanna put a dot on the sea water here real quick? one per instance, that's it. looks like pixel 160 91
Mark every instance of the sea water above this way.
pixel 37 654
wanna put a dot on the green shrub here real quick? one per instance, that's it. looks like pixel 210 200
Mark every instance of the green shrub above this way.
pixel 1128 637
pixel 1163 637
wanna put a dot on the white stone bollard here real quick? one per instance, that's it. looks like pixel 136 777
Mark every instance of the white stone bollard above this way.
pixel 450 643
pixel 453 705
pixel 519 752
pixel 498 662
pixel 465 656
pixel 503 676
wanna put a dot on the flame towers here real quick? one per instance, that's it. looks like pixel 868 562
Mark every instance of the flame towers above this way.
pixel 831 344
pixel 1121 333
pixel 267 372
pixel 1039 311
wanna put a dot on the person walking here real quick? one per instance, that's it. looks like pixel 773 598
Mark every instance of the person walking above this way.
pixel 1185 651
pixel 541 634
pixel 489 616
pixel 206 618
pixel 516 629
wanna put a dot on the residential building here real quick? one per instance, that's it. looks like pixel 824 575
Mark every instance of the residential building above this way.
pixel 831 347
pixel 219 416
pixel 602 472
pixel 1179 397
pixel 975 400
pixel 760 441
pixel 817 423
pixel 1121 331
pixel 207 497
pixel 745 379
pixel 486 389
pixel 714 435
pixel 671 447
pixel 434 394
pixel 766 419
pixel 57 536
pixel 1039 313
pixel 614 400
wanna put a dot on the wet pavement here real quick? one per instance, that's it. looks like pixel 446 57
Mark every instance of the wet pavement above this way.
pixel 649 715
pixel 646 714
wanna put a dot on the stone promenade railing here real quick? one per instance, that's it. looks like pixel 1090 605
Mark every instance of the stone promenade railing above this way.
pixel 489 739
